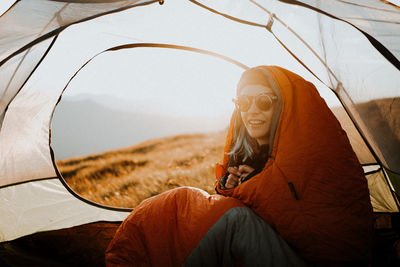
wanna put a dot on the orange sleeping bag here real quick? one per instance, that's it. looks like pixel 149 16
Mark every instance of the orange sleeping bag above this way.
pixel 312 191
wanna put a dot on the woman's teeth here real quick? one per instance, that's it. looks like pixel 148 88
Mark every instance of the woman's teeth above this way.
pixel 256 122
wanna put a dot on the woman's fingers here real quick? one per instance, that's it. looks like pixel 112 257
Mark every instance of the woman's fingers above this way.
pixel 236 174
pixel 232 181
pixel 245 169
pixel 234 171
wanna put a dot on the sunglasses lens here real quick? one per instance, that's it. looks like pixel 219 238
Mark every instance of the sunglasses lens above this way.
pixel 244 103
pixel 263 102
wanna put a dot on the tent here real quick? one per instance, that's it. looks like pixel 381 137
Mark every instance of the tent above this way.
pixel 351 47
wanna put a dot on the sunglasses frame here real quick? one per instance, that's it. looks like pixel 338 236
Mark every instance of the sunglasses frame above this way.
pixel 271 97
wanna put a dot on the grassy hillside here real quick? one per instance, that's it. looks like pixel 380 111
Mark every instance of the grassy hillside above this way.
pixel 125 177
pixel 362 151
pixel 381 116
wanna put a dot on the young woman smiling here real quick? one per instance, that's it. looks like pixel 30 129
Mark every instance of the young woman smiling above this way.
pixel 258 105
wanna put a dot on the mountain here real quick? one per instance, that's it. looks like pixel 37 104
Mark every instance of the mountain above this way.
pixel 83 126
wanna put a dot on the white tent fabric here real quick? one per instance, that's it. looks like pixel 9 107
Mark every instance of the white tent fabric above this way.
pixel 24 138
pixel 43 206
pixel 377 18
pixel 25 152
pixel 34 21
pixel 17 69
pixel 30 21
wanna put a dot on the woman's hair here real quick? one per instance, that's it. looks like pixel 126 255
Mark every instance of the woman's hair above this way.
pixel 243 144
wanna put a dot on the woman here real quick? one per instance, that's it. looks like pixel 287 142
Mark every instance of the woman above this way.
pixel 288 160
pixel 257 111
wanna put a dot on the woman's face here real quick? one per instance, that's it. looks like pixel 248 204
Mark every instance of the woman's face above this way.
pixel 258 117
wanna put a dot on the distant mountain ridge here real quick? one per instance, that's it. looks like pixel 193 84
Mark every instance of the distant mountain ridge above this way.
pixel 82 126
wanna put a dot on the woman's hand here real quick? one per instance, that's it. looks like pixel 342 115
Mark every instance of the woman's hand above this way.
pixel 233 177
pixel 244 171
pixel 237 175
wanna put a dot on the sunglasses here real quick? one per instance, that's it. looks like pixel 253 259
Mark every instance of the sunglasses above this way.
pixel 263 102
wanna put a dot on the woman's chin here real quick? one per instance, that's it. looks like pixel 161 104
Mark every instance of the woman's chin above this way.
pixel 261 136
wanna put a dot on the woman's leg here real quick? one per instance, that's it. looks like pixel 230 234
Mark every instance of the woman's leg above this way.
pixel 242 236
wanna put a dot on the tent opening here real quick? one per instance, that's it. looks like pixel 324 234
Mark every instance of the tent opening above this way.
pixel 125 131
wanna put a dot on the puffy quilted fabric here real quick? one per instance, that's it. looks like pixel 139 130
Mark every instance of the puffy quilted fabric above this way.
pixel 165 229
pixel 330 222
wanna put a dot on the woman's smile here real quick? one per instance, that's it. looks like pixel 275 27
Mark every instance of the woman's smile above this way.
pixel 255 123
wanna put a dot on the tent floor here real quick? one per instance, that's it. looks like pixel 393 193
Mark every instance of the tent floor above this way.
pixel 386 248
pixel 84 245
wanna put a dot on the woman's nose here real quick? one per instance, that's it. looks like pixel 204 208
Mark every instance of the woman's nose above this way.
pixel 253 107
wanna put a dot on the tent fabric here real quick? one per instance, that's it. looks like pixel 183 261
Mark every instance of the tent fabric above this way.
pixel 377 18
pixel 25 154
pixel 394 181
pixel 325 216
pixel 21 137
pixel 379 190
pixel 35 21
pixel 24 145
pixel 25 132
pixel 46 205
pixel 17 70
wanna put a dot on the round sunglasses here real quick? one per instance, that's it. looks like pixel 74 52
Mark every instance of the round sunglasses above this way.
pixel 263 102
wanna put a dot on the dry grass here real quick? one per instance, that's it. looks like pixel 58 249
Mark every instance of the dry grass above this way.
pixel 358 144
pixel 127 176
